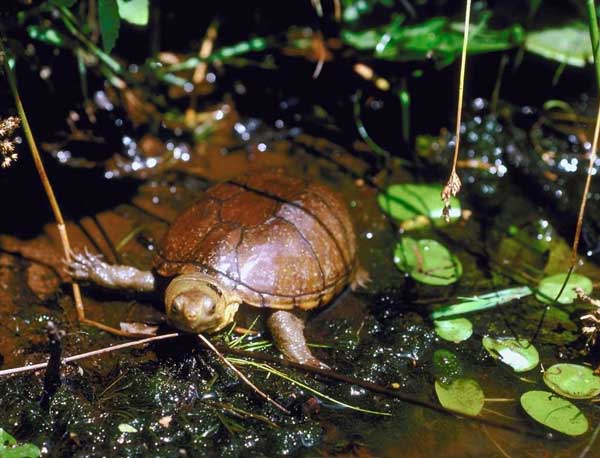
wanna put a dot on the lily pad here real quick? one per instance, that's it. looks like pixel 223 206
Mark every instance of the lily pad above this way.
pixel 572 381
pixel 417 205
pixel 463 395
pixel 10 449
pixel 455 330
pixel 518 354
pixel 554 412
pixel 427 261
pixel 446 366
pixel 549 287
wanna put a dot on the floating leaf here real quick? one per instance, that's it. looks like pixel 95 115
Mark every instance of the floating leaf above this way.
pixel 549 287
pixel 427 261
pixel 569 44
pixel 110 21
pixel 6 439
pixel 126 428
pixel 446 366
pixel 134 11
pixel 417 205
pixel 463 395
pixel 518 354
pixel 10 449
pixel 455 330
pixel 554 412
pixel 572 381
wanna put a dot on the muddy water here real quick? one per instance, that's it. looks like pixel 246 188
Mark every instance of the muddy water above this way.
pixel 182 402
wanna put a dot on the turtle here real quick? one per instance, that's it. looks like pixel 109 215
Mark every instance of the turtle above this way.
pixel 266 239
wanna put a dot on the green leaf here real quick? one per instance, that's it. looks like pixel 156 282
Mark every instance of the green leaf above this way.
pixel 549 287
pixel 45 35
pixel 6 439
pixel 446 366
pixel 10 449
pixel 65 3
pixel 518 354
pixel 463 395
pixel 569 44
pixel 21 451
pixel 455 330
pixel 572 381
pixel 554 412
pixel 110 21
pixel 125 428
pixel 417 205
pixel 134 11
pixel 427 261
pixel 478 303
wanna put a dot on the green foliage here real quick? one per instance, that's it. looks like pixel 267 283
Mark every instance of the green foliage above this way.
pixel 519 354
pixel 46 35
pixel 134 11
pixel 409 203
pixel 572 381
pixel 463 395
pixel 554 412
pixel 64 3
pixel 427 261
pixel 454 330
pixel 569 44
pixel 549 288
pixel 110 22
pixel 10 449
pixel 437 37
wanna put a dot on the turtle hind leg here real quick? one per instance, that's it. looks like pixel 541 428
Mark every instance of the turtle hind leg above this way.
pixel 287 330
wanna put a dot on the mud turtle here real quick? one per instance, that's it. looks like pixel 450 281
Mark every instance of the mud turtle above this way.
pixel 266 239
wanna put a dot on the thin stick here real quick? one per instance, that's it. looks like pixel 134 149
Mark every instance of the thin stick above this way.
pixel 245 379
pixel 586 189
pixel 39 165
pixel 89 354
pixel 453 185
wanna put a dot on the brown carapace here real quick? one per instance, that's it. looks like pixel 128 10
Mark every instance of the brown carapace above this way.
pixel 277 241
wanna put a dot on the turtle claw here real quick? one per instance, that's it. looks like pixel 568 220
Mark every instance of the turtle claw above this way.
pixel 86 266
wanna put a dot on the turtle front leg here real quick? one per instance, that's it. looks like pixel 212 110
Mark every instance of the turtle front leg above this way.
pixel 287 330
pixel 90 267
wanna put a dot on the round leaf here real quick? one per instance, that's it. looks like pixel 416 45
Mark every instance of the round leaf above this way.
pixel 406 202
pixel 518 354
pixel 446 366
pixel 572 381
pixel 463 395
pixel 427 261
pixel 549 287
pixel 455 330
pixel 554 412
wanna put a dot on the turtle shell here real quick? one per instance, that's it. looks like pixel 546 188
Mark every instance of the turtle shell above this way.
pixel 274 240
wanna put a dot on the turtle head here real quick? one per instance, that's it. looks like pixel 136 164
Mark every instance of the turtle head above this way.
pixel 197 303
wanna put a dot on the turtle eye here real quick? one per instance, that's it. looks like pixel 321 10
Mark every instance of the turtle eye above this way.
pixel 209 305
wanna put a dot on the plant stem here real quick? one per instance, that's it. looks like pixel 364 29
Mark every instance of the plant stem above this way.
pixel 453 185
pixel 39 165
pixel 594 35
